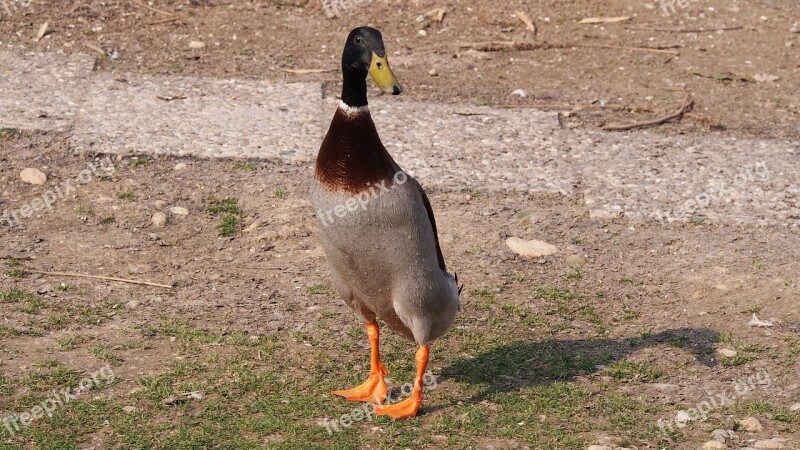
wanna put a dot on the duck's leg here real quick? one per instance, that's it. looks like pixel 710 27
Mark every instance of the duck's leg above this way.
pixel 410 406
pixel 374 389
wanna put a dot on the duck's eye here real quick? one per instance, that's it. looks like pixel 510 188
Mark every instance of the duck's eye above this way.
pixel 358 40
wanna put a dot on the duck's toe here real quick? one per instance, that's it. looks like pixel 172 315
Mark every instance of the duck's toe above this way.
pixel 373 390
pixel 402 410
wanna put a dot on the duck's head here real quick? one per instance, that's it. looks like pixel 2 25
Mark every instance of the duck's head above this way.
pixel 365 53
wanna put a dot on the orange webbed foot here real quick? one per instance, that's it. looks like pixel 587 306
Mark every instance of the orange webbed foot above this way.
pixel 373 390
pixel 402 410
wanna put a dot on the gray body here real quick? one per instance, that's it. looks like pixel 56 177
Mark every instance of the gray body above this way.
pixel 382 253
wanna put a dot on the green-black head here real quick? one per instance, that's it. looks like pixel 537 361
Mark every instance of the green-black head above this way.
pixel 365 53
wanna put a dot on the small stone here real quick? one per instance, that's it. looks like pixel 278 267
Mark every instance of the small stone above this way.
pixel 129 409
pixel 721 435
pixel 433 73
pixel 598 447
pixel 765 78
pixel 522 93
pixel 726 352
pixel 422 33
pixel 299 159
pixel 178 167
pixel 750 424
pixel 795 407
pixel 713 445
pixel 132 304
pixel 253 226
pixel 770 443
pixel 575 261
pixel 153 236
pixel 179 211
pixel 532 249
pixel 158 204
pixel 756 322
pixel 33 176
pixel 795 28
pixel 196 45
pixel 159 220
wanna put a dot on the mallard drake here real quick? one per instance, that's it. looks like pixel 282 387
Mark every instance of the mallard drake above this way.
pixel 378 230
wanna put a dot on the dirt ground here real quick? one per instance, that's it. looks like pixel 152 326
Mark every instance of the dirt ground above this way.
pixel 543 354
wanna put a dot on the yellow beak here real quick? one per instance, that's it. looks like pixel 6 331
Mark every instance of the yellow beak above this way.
pixel 383 75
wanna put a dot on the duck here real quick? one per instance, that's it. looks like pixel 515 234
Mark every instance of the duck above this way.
pixel 378 231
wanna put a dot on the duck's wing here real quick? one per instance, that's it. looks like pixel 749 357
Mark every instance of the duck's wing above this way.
pixel 428 208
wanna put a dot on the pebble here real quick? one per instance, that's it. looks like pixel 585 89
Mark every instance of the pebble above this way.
pixel 179 211
pixel 756 322
pixel 750 424
pixel 598 447
pixel 795 407
pixel 132 304
pixel 433 73
pixel 726 352
pixel 795 28
pixel 721 435
pixel 422 33
pixel 575 261
pixel 533 248
pixel 197 45
pixel 253 226
pixel 770 443
pixel 158 204
pixel 159 220
pixel 33 176
pixel 522 93
pixel 714 445
pixel 129 409
pixel 178 167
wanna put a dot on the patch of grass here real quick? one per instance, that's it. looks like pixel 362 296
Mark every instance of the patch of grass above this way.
pixel 69 342
pixel 6 133
pixel 15 273
pixel 554 294
pixel 30 303
pixel 101 352
pixel 738 360
pixel 634 371
pixel 678 341
pixel 140 161
pixel 629 313
pixel 244 165
pixel 229 205
pixel 128 196
pixel 574 274
pixel 319 289
pixel 754 309
pixel 227 226
pixel 280 193
pixel 107 220
pixel 758 264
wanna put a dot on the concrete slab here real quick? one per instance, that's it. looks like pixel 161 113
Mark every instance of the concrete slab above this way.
pixel 42 91
pixel 203 117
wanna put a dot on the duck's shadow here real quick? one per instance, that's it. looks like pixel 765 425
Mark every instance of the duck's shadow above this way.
pixel 525 363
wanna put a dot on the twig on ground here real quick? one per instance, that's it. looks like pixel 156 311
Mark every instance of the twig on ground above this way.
pixel 307 71
pixel 684 30
pixel 526 19
pixel 155 10
pixel 95 48
pixel 159 22
pixel 97 277
pixel 563 106
pixel 685 106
